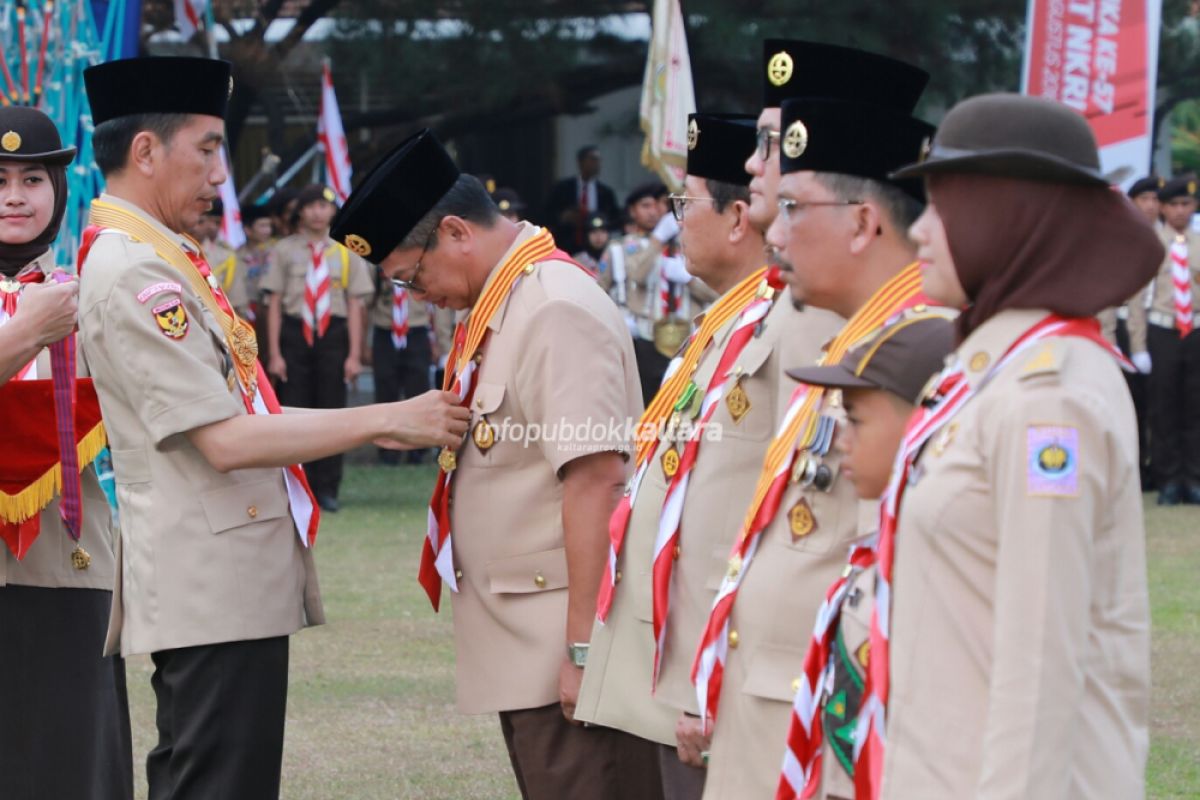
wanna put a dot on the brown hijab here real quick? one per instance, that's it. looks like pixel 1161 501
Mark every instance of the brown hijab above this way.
pixel 14 257
pixel 1071 249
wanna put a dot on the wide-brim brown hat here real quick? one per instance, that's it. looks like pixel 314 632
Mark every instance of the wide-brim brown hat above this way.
pixel 1014 136
pixel 28 135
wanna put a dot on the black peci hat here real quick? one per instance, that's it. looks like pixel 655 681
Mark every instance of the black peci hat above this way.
pixel 794 68
pixel 507 200
pixel 1184 186
pixel 254 212
pixel 27 134
pixel 869 141
pixel 158 85
pixel 1015 136
pixel 718 146
pixel 1150 183
pixel 395 195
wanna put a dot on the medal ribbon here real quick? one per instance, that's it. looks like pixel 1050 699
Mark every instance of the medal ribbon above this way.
pixel 437 555
pixel 796 433
pixel 675 382
pixel 667 540
pixel 952 393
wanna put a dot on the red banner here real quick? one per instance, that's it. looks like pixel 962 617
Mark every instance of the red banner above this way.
pixel 1099 57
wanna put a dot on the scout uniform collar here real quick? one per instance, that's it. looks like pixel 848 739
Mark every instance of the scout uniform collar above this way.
pixel 183 241
pixel 527 231
pixel 988 343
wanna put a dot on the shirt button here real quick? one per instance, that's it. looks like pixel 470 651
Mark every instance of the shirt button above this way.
pixel 677 551
pixel 733 639
pixel 795 685
pixel 618 578
pixel 458 574
pixel 539 580
pixel 252 512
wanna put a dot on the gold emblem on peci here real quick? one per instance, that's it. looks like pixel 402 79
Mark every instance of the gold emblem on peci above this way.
pixel 693 134
pixel 11 142
pixel 358 245
pixel 795 141
pixel 779 68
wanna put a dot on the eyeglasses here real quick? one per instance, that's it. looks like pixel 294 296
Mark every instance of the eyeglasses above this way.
pixel 679 204
pixel 763 139
pixel 410 284
pixel 789 207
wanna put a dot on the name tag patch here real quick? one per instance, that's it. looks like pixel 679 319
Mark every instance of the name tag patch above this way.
pixel 1052 453
pixel 157 288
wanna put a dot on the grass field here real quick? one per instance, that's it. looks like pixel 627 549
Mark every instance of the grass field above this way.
pixel 371 706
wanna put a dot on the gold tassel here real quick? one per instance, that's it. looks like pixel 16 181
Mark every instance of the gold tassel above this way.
pixel 30 501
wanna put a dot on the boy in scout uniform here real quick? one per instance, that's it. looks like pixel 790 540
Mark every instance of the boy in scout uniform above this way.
pixel 1163 337
pixel 520 511
pixel 403 349
pixel 55 592
pixel 881 381
pixel 795 533
pixel 224 260
pixel 215 565
pixel 316 319
pixel 736 370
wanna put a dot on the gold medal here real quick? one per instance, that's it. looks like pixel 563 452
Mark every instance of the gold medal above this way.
pixel 738 402
pixel 735 566
pixel 670 462
pixel 801 520
pixel 484 435
pixel 800 467
pixel 244 345
pixel 447 460
pixel 80 558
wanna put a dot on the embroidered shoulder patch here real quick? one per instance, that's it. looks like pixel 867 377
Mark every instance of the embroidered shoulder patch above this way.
pixel 158 288
pixel 172 319
pixel 1052 455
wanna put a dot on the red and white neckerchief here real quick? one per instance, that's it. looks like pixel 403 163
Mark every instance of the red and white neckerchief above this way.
pixel 1181 285
pixel 667 301
pixel 399 317
pixel 316 312
pixel 796 432
pixel 675 382
pixel 666 541
pixel 952 391
pixel 437 553
pixel 10 298
pixel 258 398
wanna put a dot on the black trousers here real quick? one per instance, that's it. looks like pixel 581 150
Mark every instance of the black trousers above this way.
pixel 316 379
pixel 220 720
pixel 1136 382
pixel 64 714
pixel 651 366
pixel 1174 401
pixel 401 374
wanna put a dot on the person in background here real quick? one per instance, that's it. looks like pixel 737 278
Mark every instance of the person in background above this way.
pixel 511 206
pixel 224 260
pixel 572 201
pixel 595 255
pixel 316 320
pixel 283 210
pixel 1165 343
pixel 252 263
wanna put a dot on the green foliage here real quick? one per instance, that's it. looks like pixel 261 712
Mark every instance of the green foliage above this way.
pixel 1185 137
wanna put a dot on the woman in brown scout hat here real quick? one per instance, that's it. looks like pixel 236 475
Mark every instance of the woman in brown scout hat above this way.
pixel 64 719
pixel 1013 660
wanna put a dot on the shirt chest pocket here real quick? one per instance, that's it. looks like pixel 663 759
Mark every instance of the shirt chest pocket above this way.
pixel 493 435
pixel 242 504
pixel 746 409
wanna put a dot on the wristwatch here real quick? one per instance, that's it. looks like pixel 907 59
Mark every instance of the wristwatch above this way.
pixel 577 652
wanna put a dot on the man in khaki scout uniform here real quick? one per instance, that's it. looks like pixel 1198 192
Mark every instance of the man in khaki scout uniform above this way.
pixel 724 250
pixel 215 565
pixel 316 326
pixel 545 363
pixel 404 347
pixel 1163 337
pixel 55 593
pixel 803 547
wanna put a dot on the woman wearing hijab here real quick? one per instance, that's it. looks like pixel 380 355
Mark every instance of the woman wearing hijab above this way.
pixel 1014 658
pixel 64 720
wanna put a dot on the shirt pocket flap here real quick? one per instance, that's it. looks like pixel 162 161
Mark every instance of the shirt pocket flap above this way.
pixel 532 572
pixel 488 397
pixel 753 356
pixel 773 672
pixel 243 504
pixel 130 466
